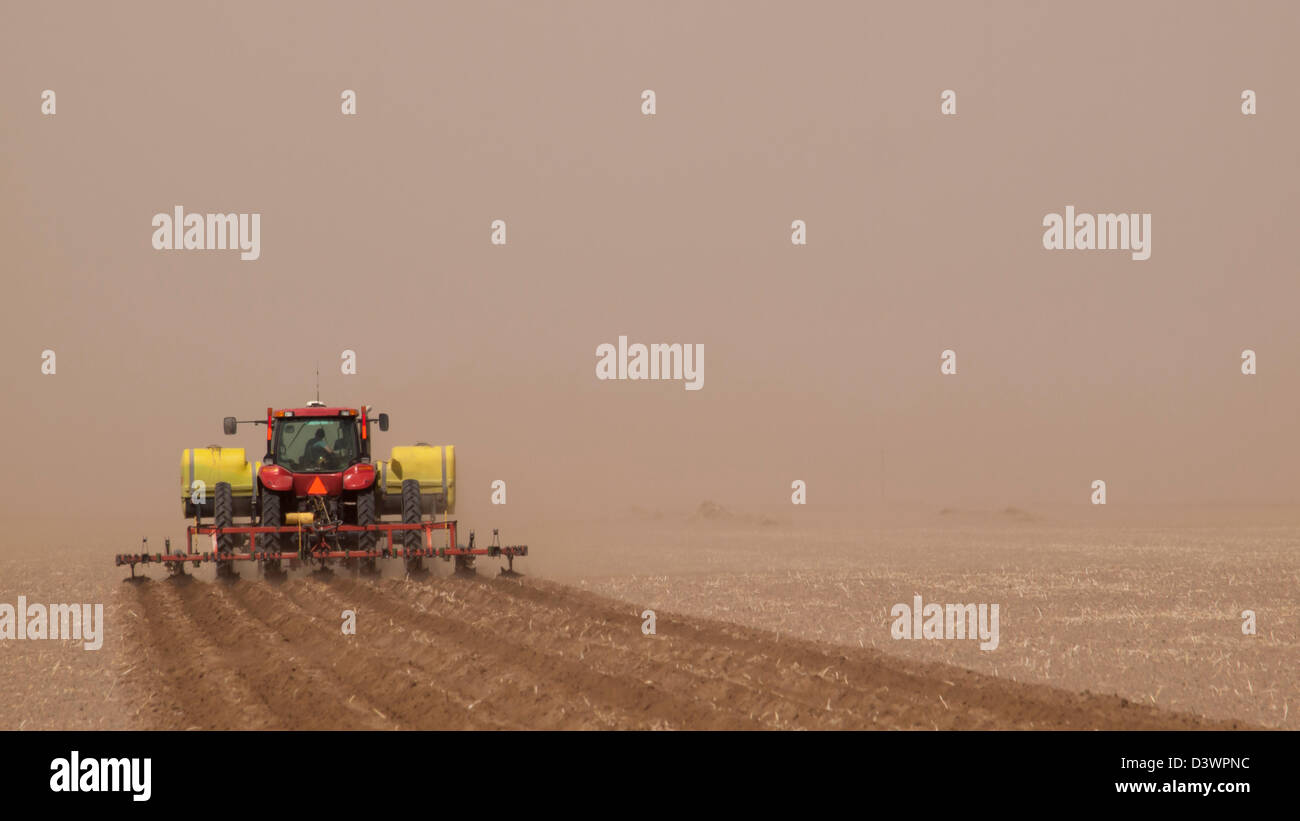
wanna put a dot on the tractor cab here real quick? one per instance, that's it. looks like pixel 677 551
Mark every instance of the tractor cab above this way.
pixel 318 450
pixel 316 444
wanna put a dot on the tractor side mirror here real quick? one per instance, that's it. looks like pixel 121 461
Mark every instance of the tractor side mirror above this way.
pixel 383 422
pixel 228 425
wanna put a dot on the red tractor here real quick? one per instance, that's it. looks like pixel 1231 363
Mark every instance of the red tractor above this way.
pixel 318 468
pixel 318 495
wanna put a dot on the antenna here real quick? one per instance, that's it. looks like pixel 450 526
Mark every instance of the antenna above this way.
pixel 317 380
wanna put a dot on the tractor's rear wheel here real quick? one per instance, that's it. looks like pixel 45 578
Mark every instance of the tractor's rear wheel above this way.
pixel 272 516
pixel 412 539
pixel 223 515
pixel 366 517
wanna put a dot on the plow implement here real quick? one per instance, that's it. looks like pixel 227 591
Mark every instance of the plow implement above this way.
pixel 322 543
pixel 320 495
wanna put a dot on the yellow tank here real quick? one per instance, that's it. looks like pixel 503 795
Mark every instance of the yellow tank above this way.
pixel 214 464
pixel 434 467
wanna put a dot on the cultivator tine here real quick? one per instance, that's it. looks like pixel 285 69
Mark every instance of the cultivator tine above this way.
pixel 319 543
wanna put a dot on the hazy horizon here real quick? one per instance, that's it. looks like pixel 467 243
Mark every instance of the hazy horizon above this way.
pixel 924 234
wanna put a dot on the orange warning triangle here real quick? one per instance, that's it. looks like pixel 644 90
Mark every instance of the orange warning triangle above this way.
pixel 317 486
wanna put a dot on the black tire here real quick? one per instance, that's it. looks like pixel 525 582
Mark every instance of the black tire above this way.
pixel 366 516
pixel 223 515
pixel 272 516
pixel 412 539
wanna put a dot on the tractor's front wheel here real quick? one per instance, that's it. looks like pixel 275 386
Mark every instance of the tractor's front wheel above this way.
pixel 223 515
pixel 272 516
pixel 412 539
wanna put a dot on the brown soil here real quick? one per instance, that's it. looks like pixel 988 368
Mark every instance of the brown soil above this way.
pixel 463 653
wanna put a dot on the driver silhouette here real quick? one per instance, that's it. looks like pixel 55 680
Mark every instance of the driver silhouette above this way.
pixel 316 448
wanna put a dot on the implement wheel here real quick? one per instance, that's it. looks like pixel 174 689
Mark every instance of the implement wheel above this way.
pixel 272 516
pixel 366 516
pixel 223 515
pixel 412 539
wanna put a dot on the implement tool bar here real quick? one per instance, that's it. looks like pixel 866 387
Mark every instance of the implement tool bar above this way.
pixel 318 530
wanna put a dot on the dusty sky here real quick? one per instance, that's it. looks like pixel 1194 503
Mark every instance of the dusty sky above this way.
pixel 924 234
